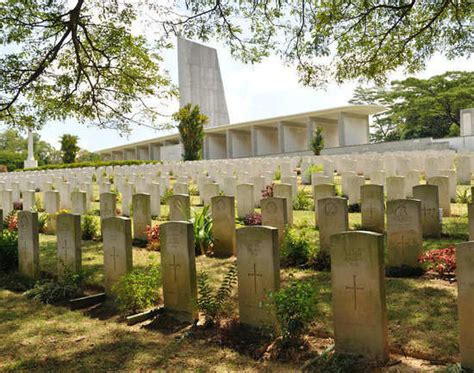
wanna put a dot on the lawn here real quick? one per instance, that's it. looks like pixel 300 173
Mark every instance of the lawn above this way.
pixel 422 317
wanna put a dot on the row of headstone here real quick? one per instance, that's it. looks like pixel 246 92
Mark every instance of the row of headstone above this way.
pixel 404 224
pixel 357 267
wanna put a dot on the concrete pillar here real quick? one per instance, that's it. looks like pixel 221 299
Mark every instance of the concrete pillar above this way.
pixel 228 135
pixel 281 138
pixel 253 140
pixel 205 148
pixel 311 127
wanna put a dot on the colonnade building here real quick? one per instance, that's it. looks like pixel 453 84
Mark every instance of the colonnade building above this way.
pixel 290 134
pixel 201 83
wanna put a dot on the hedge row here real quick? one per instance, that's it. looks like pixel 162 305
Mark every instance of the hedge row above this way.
pixel 88 164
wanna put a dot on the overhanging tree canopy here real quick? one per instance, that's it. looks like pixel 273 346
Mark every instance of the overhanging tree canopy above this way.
pixel 94 60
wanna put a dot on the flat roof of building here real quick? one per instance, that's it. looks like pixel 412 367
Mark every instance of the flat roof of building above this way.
pixel 329 114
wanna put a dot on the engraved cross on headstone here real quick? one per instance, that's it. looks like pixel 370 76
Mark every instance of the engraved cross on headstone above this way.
pixel 65 253
pixel 354 288
pixel 115 256
pixel 402 243
pixel 424 210
pixel 370 210
pixel 255 275
pixel 174 265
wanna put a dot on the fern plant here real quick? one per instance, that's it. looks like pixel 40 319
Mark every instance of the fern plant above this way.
pixel 209 303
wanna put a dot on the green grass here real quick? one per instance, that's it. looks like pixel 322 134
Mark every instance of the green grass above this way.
pixel 422 317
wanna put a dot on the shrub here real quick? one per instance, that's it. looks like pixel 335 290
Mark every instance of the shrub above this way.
pixel 89 227
pixel 296 249
pixel 88 164
pixel 317 141
pixel 441 261
pixel 295 308
pixel 313 169
pixel 8 251
pixel 202 224
pixel 463 196
pixel 210 304
pixel 254 218
pixel 11 221
pixel 191 124
pixel 16 282
pixel 166 196
pixel 138 290
pixel 278 174
pixel 38 206
pixel 322 261
pixel 334 362
pixel 303 201
pixel 193 190
pixel 153 237
pixel 268 191
pixel 42 222
pixel 57 291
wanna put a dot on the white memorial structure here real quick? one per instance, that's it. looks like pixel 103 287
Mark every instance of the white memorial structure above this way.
pixel 30 162
pixel 200 83
pixel 345 129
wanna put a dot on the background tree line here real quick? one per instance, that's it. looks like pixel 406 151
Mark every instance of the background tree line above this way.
pixel 419 107
pixel 14 150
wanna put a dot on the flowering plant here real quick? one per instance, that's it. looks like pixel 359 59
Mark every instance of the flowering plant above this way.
pixel 268 191
pixel 11 222
pixel 441 261
pixel 254 218
pixel 153 237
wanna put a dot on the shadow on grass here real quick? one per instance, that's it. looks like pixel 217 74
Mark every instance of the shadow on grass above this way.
pixel 107 356
pixel 423 319
pixel 22 323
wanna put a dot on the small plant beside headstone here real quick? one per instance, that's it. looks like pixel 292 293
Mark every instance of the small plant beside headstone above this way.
pixel 268 191
pixel 295 250
pixel 210 303
pixel 254 218
pixel 57 291
pixel 442 262
pixel 202 225
pixel 303 201
pixel 153 238
pixel 138 290
pixel 8 250
pixel 89 227
pixel 294 307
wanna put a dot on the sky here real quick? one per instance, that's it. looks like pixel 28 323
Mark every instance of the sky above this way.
pixel 252 92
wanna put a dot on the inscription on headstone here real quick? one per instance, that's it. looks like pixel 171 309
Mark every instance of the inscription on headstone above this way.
pixel 258 273
pixel 28 244
pixel 179 269
pixel 223 225
pixel 358 294
pixel 117 240
pixel 404 233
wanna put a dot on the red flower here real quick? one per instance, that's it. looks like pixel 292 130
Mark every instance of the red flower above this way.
pixel 442 261
pixel 254 218
pixel 153 237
